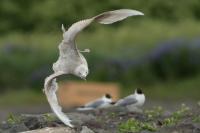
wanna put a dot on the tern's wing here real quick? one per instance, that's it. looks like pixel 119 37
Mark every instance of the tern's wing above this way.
pixel 50 88
pixel 127 101
pixel 104 18
pixel 94 104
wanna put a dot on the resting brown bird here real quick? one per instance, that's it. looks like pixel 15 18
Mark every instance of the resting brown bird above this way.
pixel 71 61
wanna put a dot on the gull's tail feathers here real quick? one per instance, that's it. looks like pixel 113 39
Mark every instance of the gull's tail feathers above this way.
pixel 50 89
pixel 116 15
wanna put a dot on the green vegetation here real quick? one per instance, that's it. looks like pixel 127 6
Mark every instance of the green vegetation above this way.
pixel 12 119
pixel 181 112
pixel 176 116
pixel 112 114
pixel 196 119
pixel 198 103
pixel 22 97
pixel 48 15
pixel 133 125
pixel 49 117
pixel 154 113
pixel 39 51
pixel 180 89
pixel 155 120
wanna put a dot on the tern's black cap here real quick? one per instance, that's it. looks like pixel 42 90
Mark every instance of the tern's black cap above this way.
pixel 139 91
pixel 108 96
pixel 112 103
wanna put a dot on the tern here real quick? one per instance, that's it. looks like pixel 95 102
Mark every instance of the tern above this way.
pixel 135 100
pixel 102 102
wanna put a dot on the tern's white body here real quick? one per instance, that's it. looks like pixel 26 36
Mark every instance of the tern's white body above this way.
pixel 136 100
pixel 103 102
pixel 140 99
pixel 140 102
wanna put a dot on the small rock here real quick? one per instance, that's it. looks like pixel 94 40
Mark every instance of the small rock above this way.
pixel 167 114
pixel 17 128
pixel 79 119
pixel 53 130
pixel 198 103
pixel 103 131
pixel 145 131
pixel 32 123
pixel 86 130
pixel 175 132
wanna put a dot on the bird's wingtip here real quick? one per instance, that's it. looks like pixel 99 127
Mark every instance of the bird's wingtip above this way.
pixel 135 12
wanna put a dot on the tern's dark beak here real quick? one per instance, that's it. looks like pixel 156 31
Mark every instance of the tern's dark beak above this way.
pixel 84 78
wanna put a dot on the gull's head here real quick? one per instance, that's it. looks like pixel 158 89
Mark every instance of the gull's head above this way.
pixel 138 91
pixel 82 71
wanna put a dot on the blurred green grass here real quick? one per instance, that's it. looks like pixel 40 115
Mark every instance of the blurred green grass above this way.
pixel 187 89
pixel 22 98
pixel 141 36
pixel 106 41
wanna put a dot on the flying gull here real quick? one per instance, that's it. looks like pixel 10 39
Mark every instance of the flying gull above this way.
pixel 71 61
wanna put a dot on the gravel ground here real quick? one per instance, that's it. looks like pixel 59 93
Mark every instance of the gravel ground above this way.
pixel 183 119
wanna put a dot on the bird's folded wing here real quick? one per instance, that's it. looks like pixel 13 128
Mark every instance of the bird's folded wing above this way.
pixel 126 101
pixel 94 104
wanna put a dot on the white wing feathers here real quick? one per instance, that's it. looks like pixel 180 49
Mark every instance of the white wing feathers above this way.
pixel 117 15
pixel 104 18
pixel 51 88
pixel 71 33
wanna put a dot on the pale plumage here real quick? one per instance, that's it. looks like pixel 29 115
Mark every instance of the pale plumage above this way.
pixel 103 102
pixel 134 100
pixel 71 61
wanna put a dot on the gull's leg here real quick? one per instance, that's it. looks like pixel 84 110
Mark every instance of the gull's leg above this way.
pixel 85 51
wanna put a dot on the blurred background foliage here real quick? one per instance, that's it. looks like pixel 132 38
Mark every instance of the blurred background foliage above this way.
pixel 159 51
pixel 48 15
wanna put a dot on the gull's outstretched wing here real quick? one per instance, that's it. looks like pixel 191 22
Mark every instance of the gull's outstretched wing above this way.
pixel 104 18
pixel 116 15
pixel 50 90
pixel 68 49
